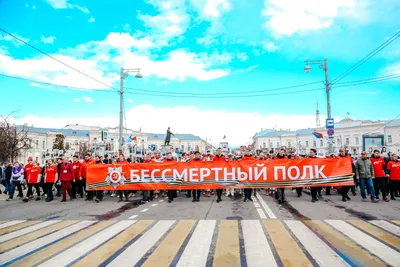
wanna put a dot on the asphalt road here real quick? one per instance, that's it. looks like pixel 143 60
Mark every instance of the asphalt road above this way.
pixel 263 207
pixel 206 233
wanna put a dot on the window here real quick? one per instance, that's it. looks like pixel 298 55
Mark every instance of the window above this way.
pixel 289 144
pixel 183 147
pixel 277 145
pixel 321 143
pixel 347 141
pixel 37 143
pixel 314 143
pixel 270 145
pixel 338 142
pixel 43 144
pixel 306 143
pixel 390 138
pixel 264 145
pixel 357 141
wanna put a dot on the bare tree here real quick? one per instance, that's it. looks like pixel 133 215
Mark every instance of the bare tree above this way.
pixel 59 142
pixel 13 139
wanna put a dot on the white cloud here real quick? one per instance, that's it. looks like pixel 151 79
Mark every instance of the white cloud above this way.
pixel 77 100
pixel 130 100
pixel 211 8
pixel 207 40
pixel 163 82
pixel 63 90
pixel 8 38
pixel 91 20
pixel 392 69
pixel 48 70
pixel 242 56
pixel 48 40
pixel 250 123
pixel 38 85
pixel 178 65
pixel 87 99
pixel 63 4
pixel 269 46
pixel 285 17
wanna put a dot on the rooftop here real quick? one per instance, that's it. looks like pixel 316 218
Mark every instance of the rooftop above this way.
pixel 65 132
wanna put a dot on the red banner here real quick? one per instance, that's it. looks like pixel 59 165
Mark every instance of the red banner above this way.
pixel 213 175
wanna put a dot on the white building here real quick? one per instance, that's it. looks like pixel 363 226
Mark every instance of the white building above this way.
pixel 80 138
pixel 353 135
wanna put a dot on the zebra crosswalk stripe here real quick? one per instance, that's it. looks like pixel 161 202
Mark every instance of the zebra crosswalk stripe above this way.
pixel 11 223
pixel 200 243
pixel 391 228
pixel 384 252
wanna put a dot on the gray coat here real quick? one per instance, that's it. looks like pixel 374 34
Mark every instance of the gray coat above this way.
pixel 364 168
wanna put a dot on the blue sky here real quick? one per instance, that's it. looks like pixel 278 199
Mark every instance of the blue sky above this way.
pixel 199 47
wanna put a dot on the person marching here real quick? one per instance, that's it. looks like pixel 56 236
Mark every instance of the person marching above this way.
pixel 122 160
pixel 66 177
pixel 380 175
pixel 88 161
pixel 247 191
pixel 365 174
pixel 230 192
pixel 219 157
pixel 314 189
pixel 345 189
pixel 33 179
pixel 394 175
pixel 77 183
pixel 51 176
pixel 196 192
pixel 281 191
pixel 148 195
pixel 170 193
pixel 99 193
pixel 17 177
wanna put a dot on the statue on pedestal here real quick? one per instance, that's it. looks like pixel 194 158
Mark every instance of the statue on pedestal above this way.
pixel 168 137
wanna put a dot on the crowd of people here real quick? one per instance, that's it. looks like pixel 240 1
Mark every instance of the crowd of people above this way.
pixel 376 176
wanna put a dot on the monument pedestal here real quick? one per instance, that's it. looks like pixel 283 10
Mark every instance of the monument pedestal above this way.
pixel 166 148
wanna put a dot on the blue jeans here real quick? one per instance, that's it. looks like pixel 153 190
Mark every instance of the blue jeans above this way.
pixel 12 186
pixel 370 187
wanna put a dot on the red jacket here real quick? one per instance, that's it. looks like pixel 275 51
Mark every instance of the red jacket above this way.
pixel 66 172
pixel 219 158
pixel 34 175
pixel 379 166
pixel 27 168
pixel 394 168
pixel 51 172
pixel 77 169
pixel 84 165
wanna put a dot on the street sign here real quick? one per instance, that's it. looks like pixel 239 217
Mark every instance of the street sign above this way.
pixel 104 135
pixel 330 124
pixel 330 132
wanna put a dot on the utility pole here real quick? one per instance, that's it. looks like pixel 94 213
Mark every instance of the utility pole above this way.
pixel 124 75
pixel 323 65
pixel 121 110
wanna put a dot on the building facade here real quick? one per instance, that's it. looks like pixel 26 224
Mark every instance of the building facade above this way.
pixel 82 139
pixel 353 135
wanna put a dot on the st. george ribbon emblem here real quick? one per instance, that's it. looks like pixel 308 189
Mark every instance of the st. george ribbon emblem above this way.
pixel 115 176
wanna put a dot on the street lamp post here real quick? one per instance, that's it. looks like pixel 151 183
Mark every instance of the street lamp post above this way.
pixel 124 75
pixel 323 65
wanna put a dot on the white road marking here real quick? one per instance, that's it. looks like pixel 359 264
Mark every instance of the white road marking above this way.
pixel 133 217
pixel 256 244
pixel 132 255
pixel 317 248
pixel 11 223
pixel 391 228
pixel 257 205
pixel 261 213
pixel 79 250
pixel 41 242
pixel 265 206
pixel 27 230
pixel 153 205
pixel 384 252
pixel 144 210
pixel 196 251
pixel 162 200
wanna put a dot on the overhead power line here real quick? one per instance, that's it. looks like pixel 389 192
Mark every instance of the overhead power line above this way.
pixel 223 93
pixel 59 61
pixel 53 84
pixel 366 58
